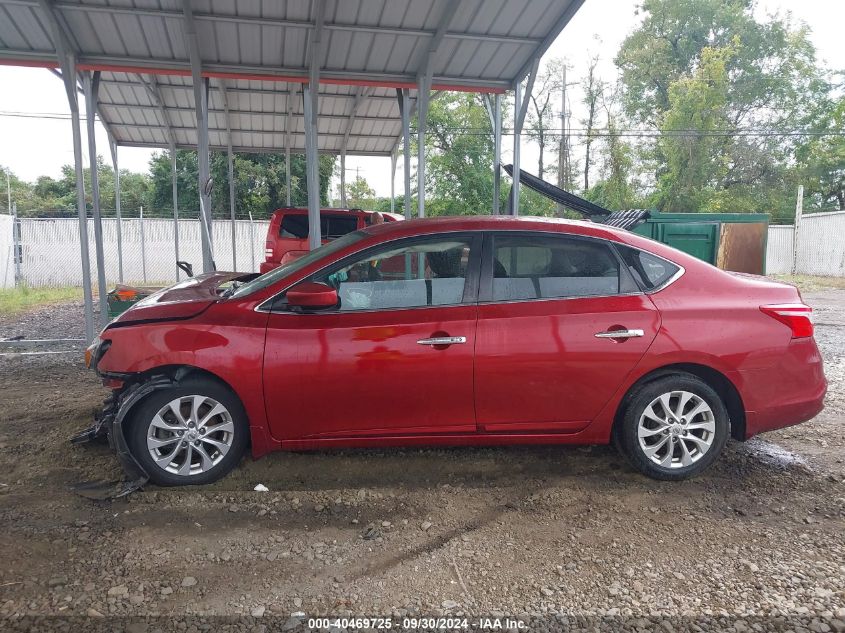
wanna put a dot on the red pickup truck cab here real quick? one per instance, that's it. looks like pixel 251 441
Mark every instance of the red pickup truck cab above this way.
pixel 287 237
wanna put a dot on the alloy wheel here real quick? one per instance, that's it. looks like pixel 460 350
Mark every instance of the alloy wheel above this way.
pixel 676 429
pixel 190 435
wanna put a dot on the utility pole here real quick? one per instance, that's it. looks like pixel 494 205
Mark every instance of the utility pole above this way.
pixel 8 191
pixel 796 227
pixel 563 150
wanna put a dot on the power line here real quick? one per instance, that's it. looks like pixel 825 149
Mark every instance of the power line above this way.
pixel 579 132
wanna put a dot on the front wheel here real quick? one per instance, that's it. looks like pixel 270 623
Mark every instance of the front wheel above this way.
pixel 193 433
pixel 673 428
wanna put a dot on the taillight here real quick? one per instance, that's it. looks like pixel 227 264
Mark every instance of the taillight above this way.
pixel 268 253
pixel 797 316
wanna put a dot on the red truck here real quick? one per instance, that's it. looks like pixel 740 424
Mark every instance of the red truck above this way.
pixel 287 237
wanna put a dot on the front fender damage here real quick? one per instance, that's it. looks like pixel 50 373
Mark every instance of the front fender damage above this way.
pixel 109 424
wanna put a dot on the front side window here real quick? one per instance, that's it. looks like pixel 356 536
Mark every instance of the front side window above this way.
pixel 275 275
pixel 407 275
pixel 535 267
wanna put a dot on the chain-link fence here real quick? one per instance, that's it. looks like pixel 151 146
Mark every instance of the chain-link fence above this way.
pixel 49 253
pixel 819 248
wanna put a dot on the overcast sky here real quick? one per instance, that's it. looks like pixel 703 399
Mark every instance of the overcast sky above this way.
pixel 37 145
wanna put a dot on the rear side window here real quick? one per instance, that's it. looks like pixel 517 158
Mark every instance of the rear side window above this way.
pixel 649 271
pixel 531 267
pixel 331 226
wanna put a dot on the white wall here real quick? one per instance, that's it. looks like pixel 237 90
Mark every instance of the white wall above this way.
pixel 7 262
pixel 821 246
pixel 51 255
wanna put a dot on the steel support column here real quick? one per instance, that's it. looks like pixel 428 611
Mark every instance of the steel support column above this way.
pixel 231 161
pixel 405 113
pixel 423 95
pixel 343 177
pixel 497 152
pixel 67 62
pixel 91 85
pixel 288 131
pixel 521 102
pixel 312 173
pixel 175 194
pixel 118 222
pixel 312 157
pixel 200 86
pixel 393 158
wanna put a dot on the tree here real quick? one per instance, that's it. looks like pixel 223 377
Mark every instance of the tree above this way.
pixel 359 194
pixel 593 88
pixel 541 113
pixel 697 110
pixel 770 78
pixel 260 183
pixel 459 174
pixel 822 159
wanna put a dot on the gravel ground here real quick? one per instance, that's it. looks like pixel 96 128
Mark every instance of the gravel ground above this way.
pixel 559 537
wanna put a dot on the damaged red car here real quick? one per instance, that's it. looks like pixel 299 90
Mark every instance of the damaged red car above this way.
pixel 458 331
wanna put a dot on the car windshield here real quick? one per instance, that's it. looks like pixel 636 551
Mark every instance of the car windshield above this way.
pixel 281 272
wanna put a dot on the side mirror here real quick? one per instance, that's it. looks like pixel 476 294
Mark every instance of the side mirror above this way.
pixel 312 296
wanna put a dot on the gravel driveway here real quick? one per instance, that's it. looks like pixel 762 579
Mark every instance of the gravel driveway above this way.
pixel 557 537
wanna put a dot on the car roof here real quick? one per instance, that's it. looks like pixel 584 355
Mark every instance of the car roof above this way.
pixel 586 228
pixel 493 223
pixel 304 210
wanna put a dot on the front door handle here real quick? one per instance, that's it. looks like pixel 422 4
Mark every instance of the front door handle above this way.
pixel 620 334
pixel 443 340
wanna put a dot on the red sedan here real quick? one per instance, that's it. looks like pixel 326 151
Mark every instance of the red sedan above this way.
pixel 459 331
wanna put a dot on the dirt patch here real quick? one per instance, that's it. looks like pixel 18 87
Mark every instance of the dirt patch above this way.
pixel 539 531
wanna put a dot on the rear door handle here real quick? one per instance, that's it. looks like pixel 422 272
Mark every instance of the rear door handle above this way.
pixel 443 340
pixel 620 334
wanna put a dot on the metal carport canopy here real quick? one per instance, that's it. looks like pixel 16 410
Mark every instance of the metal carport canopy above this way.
pixel 240 66
pixel 370 47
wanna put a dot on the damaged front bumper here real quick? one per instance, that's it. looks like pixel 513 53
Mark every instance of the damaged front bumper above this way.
pixel 109 424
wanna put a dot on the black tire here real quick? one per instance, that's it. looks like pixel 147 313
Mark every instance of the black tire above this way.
pixel 145 412
pixel 627 432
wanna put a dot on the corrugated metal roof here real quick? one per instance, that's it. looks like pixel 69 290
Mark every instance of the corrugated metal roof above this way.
pixel 260 49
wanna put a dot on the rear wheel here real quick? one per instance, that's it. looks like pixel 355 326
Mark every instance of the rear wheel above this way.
pixel 673 428
pixel 193 433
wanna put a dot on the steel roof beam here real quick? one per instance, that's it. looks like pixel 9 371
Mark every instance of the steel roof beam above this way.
pixel 152 89
pixel 183 128
pixel 187 110
pixel 110 63
pixel 240 149
pixel 360 96
pixel 106 82
pixel 564 19
pixel 303 24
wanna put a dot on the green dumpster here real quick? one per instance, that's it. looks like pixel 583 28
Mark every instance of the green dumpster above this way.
pixel 731 241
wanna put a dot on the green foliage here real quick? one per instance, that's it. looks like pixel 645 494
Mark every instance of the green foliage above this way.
pixel 822 158
pixel 693 165
pixel 260 183
pixel 712 66
pixel 459 174
pixel 49 197
pixel 22 298
pixel 359 195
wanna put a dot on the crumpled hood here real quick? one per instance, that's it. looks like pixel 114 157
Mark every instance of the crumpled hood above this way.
pixel 182 301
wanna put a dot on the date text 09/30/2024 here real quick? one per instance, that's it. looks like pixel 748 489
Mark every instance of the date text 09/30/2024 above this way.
pixel 412 623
